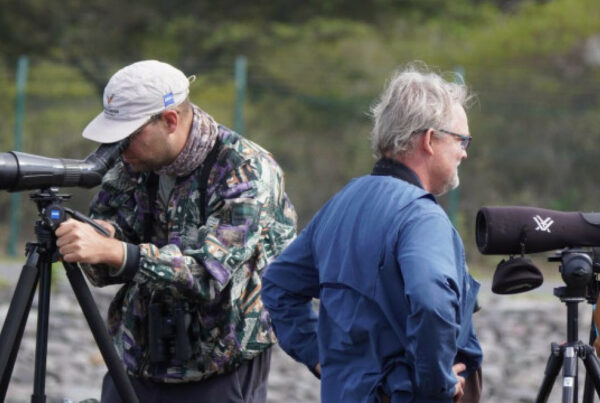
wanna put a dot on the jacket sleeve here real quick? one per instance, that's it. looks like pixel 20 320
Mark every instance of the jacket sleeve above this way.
pixel 250 220
pixel 114 203
pixel 289 285
pixel 427 259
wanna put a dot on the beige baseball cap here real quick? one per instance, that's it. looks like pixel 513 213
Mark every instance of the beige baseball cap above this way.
pixel 133 95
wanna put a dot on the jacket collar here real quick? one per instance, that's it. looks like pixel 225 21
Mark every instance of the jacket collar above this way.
pixel 389 167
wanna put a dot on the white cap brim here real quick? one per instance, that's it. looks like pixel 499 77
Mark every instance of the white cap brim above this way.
pixel 104 130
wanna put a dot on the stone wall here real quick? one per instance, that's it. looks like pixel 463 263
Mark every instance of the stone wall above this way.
pixel 515 332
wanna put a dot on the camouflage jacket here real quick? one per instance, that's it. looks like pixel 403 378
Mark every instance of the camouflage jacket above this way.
pixel 211 271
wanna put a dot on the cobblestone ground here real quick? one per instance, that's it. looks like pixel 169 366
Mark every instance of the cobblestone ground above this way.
pixel 515 331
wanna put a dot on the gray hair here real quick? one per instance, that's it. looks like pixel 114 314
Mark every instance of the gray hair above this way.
pixel 415 98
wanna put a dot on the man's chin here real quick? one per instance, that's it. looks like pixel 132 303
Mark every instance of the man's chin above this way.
pixel 139 167
pixel 453 184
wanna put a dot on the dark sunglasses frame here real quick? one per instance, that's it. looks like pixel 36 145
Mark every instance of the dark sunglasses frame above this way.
pixel 465 141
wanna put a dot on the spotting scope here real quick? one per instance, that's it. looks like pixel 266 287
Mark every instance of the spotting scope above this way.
pixel 22 171
pixel 513 230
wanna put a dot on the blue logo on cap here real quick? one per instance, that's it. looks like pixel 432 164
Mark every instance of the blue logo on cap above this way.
pixel 168 99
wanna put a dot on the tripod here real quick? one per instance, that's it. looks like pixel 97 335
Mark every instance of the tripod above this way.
pixel 37 269
pixel 577 272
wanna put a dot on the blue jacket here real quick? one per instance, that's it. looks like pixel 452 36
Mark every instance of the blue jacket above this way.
pixel 396 299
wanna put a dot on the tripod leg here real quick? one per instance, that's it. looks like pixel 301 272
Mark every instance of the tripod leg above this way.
pixel 103 340
pixel 16 319
pixel 588 392
pixel 592 366
pixel 552 367
pixel 569 374
pixel 41 345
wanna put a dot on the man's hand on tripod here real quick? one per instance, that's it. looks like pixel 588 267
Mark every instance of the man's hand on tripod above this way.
pixel 460 385
pixel 81 243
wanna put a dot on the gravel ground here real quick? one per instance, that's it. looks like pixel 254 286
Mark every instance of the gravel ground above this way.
pixel 515 332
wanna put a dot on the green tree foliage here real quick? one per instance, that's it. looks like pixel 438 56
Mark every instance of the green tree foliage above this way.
pixel 316 67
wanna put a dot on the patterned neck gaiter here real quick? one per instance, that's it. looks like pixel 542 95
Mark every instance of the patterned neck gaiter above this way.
pixel 201 140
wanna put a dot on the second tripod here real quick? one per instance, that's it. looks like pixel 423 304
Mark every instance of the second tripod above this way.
pixel 577 272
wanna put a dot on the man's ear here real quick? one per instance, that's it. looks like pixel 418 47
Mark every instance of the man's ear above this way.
pixel 425 142
pixel 171 119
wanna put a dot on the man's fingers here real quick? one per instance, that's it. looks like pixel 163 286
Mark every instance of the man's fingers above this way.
pixel 64 227
pixel 69 257
pixel 107 226
pixel 64 240
pixel 70 235
pixel 77 241
pixel 458 392
pixel 458 367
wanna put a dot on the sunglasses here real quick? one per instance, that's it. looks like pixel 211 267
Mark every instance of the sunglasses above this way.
pixel 465 141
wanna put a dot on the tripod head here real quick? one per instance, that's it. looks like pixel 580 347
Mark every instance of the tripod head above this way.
pixel 51 214
pixel 577 268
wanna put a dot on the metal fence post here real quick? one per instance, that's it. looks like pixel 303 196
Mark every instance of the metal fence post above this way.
pixel 240 75
pixel 15 198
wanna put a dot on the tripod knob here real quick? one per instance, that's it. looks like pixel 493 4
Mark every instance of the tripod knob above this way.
pixel 53 215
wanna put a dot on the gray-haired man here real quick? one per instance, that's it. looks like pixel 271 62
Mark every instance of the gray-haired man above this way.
pixel 396 300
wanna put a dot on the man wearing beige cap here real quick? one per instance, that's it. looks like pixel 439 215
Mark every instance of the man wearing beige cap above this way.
pixel 196 212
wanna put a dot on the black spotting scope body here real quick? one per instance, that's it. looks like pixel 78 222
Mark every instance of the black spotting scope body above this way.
pixel 22 171
pixel 511 230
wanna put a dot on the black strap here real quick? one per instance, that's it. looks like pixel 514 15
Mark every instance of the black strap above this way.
pixel 210 160
pixel 152 189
